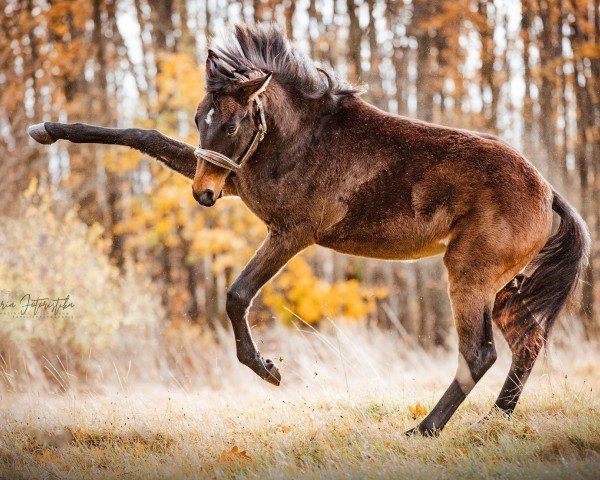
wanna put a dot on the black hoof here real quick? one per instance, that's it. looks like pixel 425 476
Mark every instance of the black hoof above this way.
pixel 495 412
pixel 264 368
pixel 424 432
pixel 39 133
pixel 273 376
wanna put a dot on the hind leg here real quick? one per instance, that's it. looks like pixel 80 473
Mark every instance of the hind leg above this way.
pixel 475 267
pixel 525 338
pixel 479 265
pixel 473 317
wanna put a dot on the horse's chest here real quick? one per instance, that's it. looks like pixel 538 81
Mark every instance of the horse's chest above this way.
pixel 275 202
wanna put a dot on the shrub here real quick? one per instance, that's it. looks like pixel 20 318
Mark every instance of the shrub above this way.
pixel 45 255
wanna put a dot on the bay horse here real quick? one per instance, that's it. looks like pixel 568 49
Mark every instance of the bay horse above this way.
pixel 318 165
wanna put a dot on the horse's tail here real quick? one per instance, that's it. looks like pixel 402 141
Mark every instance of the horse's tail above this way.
pixel 554 272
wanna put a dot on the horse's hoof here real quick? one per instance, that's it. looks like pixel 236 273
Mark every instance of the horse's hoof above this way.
pixel 273 376
pixel 39 133
pixel 424 432
pixel 263 367
pixel 495 412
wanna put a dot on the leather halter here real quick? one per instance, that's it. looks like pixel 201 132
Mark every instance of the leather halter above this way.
pixel 224 161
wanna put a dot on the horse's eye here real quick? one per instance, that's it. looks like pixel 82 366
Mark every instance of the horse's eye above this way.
pixel 231 130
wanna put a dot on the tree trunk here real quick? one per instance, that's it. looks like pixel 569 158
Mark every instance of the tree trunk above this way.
pixel 354 44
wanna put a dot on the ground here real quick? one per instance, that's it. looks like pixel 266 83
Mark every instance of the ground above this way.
pixel 309 428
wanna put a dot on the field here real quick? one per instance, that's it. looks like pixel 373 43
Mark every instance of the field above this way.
pixel 340 414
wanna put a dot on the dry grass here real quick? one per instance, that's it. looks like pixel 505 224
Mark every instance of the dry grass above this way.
pixel 340 414
pixel 107 393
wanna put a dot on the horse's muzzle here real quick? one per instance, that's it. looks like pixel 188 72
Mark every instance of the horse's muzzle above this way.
pixel 206 198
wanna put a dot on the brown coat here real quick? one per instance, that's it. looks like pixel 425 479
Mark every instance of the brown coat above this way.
pixel 336 171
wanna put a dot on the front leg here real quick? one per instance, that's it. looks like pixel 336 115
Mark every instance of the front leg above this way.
pixel 273 254
pixel 176 155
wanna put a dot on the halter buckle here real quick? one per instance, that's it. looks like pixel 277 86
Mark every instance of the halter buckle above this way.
pixel 262 127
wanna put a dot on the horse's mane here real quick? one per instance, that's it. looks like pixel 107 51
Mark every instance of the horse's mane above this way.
pixel 250 50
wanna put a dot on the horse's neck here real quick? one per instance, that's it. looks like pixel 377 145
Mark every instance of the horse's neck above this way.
pixel 289 169
pixel 300 131
pixel 284 112
pixel 291 121
pixel 273 178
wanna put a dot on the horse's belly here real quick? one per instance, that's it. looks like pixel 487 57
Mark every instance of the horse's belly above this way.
pixel 385 252
pixel 409 241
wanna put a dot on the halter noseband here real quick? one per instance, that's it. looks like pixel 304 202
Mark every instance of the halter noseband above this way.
pixel 227 163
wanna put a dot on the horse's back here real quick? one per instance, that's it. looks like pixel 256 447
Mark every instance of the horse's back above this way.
pixel 415 185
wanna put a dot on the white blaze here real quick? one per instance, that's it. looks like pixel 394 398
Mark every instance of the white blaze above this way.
pixel 209 115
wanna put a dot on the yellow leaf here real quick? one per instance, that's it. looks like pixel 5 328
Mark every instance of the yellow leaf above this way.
pixel 417 410
pixel 587 50
pixel 381 293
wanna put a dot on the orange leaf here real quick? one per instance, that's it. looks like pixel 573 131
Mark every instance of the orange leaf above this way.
pixel 417 410
pixel 286 428
pixel 234 454
pixel 47 458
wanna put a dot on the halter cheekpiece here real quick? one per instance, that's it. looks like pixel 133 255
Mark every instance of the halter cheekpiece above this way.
pixel 227 163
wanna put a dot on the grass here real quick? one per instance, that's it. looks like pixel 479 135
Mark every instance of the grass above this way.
pixel 311 427
pixel 106 393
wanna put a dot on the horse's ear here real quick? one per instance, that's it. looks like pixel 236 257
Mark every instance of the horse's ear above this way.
pixel 247 91
pixel 211 59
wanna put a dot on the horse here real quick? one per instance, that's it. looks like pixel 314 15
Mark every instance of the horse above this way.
pixel 319 165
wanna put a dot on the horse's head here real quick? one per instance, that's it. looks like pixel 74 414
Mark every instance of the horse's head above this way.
pixel 229 122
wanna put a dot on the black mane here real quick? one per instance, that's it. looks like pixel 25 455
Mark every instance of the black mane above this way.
pixel 262 48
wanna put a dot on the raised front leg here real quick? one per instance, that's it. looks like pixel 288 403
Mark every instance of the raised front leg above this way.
pixel 273 254
pixel 176 155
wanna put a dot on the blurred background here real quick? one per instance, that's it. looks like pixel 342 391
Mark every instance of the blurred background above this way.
pixel 147 269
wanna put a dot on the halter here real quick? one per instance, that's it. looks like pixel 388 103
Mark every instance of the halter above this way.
pixel 227 163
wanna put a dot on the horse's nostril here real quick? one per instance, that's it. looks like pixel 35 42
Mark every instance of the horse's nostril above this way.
pixel 205 197
pixel 208 196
